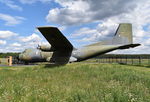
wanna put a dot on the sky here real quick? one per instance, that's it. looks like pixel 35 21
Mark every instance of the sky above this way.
pixel 81 21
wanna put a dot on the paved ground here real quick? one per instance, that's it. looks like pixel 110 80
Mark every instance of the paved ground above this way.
pixel 2 65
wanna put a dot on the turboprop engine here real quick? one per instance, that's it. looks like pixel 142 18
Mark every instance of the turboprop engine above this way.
pixel 48 48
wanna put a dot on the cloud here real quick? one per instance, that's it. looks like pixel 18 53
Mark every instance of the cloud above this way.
pixel 138 16
pixel 16 44
pixel 85 11
pixel 25 42
pixel 84 31
pixel 33 1
pixel 10 48
pixel 103 31
pixel 107 15
pixel 7 34
pixel 11 4
pixel 85 34
pixel 32 38
pixel 2 42
pixel 20 43
pixel 10 20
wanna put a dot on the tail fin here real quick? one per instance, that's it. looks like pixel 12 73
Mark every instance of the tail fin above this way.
pixel 123 34
pixel 123 37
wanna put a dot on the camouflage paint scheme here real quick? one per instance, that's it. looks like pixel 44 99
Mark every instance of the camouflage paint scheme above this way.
pixel 61 51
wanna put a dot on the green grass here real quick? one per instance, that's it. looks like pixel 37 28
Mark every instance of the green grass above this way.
pixel 75 82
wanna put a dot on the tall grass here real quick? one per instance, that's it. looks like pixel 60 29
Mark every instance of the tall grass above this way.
pixel 75 83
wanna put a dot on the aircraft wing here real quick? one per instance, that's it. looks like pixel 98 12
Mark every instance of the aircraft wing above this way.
pixel 56 38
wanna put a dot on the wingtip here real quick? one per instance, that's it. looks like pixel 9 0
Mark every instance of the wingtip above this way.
pixel 42 27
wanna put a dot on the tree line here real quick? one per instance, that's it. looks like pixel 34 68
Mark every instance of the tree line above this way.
pixel 4 55
pixel 133 56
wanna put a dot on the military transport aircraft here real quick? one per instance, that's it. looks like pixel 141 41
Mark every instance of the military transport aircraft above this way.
pixel 61 51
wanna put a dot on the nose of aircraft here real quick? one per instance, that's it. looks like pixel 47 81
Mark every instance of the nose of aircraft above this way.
pixel 30 55
pixel 22 56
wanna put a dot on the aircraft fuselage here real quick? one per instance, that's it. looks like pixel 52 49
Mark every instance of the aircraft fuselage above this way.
pixel 36 55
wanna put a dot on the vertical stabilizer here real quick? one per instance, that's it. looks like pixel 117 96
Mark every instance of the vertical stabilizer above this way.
pixel 123 34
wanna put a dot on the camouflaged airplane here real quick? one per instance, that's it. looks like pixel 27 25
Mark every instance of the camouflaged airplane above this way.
pixel 61 51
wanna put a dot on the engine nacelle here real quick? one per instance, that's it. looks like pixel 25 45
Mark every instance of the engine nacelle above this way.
pixel 48 48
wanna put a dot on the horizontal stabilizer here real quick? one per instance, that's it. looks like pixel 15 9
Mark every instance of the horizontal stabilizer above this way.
pixel 129 46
